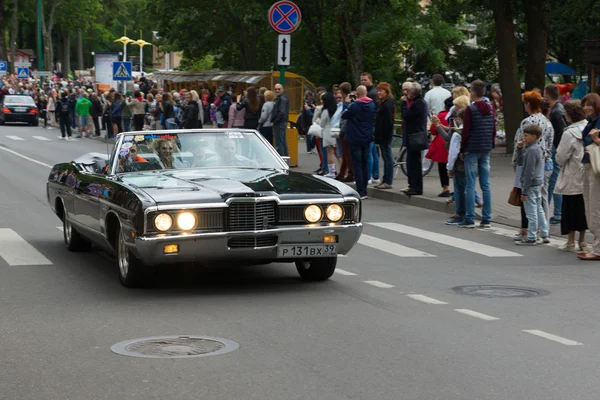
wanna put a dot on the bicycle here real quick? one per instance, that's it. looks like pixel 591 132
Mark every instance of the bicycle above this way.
pixel 400 161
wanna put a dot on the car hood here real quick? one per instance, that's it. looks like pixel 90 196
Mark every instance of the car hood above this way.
pixel 209 185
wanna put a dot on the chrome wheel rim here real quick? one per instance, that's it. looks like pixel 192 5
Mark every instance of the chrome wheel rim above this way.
pixel 123 256
pixel 68 229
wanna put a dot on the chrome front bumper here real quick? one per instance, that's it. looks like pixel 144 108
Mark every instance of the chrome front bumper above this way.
pixel 215 246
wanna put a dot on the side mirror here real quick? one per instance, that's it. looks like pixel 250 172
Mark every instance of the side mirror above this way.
pixel 287 160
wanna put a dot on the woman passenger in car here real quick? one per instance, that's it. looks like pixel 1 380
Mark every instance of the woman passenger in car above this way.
pixel 164 148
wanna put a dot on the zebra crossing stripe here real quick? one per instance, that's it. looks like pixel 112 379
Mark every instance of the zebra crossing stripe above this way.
pixel 466 245
pixel 17 251
pixel 14 137
pixel 40 138
pixel 391 247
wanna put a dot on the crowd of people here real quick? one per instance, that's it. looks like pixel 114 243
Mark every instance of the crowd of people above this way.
pixel 351 128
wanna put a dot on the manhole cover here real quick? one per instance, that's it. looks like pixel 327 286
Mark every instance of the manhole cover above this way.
pixel 174 347
pixel 499 291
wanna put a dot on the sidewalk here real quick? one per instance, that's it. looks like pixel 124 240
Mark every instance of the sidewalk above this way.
pixel 501 178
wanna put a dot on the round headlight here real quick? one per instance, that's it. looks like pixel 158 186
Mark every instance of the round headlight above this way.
pixel 163 222
pixel 186 221
pixel 334 213
pixel 313 213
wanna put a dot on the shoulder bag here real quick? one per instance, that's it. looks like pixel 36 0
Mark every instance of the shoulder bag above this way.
pixel 514 199
pixel 418 141
pixel 594 152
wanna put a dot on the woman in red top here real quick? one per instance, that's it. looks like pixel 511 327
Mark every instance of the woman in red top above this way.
pixel 438 150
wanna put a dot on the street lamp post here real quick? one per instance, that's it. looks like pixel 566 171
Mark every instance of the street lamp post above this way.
pixel 142 43
pixel 125 40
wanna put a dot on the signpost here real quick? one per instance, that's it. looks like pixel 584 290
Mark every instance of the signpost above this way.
pixel 122 71
pixel 284 43
pixel 3 67
pixel 284 17
pixel 23 73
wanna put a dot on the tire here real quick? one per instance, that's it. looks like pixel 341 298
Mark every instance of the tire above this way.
pixel 316 269
pixel 73 240
pixel 132 272
pixel 35 123
pixel 401 159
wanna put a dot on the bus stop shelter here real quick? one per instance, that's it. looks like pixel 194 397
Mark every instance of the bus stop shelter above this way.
pixel 295 87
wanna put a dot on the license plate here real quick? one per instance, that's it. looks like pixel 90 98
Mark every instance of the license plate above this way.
pixel 310 250
pixel 20 109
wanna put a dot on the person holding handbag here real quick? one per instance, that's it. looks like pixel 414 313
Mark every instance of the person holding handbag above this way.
pixel 569 183
pixel 591 182
pixel 414 126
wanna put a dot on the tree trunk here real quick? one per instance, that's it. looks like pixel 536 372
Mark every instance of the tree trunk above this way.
pixel 353 42
pixel 66 65
pixel 506 42
pixel 80 63
pixel 2 32
pixel 47 27
pixel 13 35
pixel 536 14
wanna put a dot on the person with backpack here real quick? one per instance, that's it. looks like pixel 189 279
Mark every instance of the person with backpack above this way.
pixel 63 109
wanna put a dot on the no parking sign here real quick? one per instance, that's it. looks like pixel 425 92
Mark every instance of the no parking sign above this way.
pixel 284 17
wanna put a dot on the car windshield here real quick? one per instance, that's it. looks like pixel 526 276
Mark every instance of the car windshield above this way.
pixel 199 149
pixel 19 100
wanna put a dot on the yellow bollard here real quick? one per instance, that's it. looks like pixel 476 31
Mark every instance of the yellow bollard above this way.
pixel 291 136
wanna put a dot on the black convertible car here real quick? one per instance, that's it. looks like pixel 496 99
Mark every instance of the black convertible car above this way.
pixel 201 196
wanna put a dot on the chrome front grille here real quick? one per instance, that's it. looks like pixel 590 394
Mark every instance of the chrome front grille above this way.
pixel 252 242
pixel 251 216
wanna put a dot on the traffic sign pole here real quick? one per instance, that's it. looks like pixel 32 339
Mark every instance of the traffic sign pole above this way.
pixel 284 17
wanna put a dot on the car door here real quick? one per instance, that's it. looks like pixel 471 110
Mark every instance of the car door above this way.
pixel 88 193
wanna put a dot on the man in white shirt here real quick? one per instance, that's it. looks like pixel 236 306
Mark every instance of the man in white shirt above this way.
pixel 437 95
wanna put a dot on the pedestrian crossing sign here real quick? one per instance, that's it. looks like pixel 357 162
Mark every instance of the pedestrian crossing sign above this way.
pixel 23 73
pixel 122 71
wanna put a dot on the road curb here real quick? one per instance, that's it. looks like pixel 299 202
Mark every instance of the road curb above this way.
pixel 431 204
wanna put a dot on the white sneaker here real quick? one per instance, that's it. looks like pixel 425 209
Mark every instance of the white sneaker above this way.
pixel 330 175
pixel 61 138
pixel 375 181
pixel 370 181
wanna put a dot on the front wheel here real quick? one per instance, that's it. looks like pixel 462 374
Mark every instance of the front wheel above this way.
pixel 131 269
pixel 316 269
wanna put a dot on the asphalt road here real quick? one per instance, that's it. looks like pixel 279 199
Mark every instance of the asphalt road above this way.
pixel 387 326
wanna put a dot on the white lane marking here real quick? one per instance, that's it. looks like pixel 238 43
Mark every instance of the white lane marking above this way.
pixel 17 251
pixel 25 157
pixel 379 284
pixel 554 242
pixel 425 299
pixel 344 272
pixel 475 314
pixel 391 247
pixel 549 336
pixel 14 137
pixel 60 228
pixel 40 138
pixel 462 244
